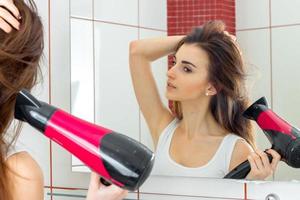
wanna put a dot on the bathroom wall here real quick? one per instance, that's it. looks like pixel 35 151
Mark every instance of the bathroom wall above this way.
pixel 186 14
pixel 92 36
pixel 268 33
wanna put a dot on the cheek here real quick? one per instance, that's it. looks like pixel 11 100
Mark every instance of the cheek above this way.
pixel 195 88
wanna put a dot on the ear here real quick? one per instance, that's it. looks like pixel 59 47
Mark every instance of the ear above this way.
pixel 211 90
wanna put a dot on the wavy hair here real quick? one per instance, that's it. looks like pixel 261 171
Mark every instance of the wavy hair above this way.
pixel 20 53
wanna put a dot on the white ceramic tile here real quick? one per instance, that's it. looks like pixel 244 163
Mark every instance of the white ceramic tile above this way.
pixel 82 8
pixel 131 196
pixel 186 186
pixel 286 59
pixel 47 195
pixel 82 72
pixel 285 12
pixel 116 106
pixel 159 69
pixel 153 14
pixel 60 54
pixel 252 13
pixel 255 47
pixel 283 190
pixel 82 69
pixel 286 173
pixel 117 11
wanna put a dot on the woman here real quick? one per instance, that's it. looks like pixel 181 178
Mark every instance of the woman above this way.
pixel 206 135
pixel 21 40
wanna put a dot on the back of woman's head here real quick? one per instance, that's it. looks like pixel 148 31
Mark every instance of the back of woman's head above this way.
pixel 227 73
pixel 20 52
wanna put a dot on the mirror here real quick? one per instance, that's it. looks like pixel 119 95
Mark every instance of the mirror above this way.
pixel 267 32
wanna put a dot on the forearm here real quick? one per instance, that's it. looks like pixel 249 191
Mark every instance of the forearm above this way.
pixel 154 48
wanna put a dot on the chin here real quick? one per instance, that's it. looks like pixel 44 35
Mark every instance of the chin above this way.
pixel 171 97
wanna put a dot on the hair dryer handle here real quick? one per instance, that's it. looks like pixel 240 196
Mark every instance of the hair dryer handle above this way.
pixel 243 169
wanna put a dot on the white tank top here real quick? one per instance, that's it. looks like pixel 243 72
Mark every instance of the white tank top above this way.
pixel 15 148
pixel 217 167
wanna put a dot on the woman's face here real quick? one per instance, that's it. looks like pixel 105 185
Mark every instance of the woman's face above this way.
pixel 188 77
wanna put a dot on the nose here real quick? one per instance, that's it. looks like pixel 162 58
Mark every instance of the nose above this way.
pixel 171 73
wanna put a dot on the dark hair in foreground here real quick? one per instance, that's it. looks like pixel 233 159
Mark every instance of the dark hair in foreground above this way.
pixel 20 53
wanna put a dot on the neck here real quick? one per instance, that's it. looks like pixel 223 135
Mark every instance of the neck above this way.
pixel 198 120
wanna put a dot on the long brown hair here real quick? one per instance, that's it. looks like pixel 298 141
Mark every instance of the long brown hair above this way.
pixel 227 73
pixel 20 52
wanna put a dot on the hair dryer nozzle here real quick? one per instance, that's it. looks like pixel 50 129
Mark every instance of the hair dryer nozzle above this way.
pixel 24 98
pixel 31 110
pixel 253 111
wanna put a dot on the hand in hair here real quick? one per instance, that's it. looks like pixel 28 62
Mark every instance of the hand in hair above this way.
pixel 98 191
pixel 233 37
pixel 9 15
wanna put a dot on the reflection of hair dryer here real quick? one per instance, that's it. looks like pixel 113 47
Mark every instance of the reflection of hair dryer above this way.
pixel 116 157
pixel 285 139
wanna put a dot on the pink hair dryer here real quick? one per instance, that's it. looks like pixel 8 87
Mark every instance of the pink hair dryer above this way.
pixel 285 139
pixel 115 157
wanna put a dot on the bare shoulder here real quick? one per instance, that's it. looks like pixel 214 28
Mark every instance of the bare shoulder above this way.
pixel 25 176
pixel 241 151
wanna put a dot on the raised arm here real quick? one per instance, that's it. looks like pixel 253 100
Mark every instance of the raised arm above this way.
pixel 142 53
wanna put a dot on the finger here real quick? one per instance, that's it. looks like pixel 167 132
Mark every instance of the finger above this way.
pixel 121 191
pixel 11 7
pixel 94 181
pixel 9 18
pixel 5 26
pixel 275 160
pixel 233 37
pixel 264 158
pixel 266 163
pixel 258 161
pixel 252 163
pixel 124 193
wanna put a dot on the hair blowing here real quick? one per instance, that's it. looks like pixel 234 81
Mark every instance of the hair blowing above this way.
pixel 227 73
pixel 20 52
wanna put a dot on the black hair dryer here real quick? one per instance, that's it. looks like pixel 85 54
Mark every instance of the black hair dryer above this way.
pixel 117 158
pixel 285 139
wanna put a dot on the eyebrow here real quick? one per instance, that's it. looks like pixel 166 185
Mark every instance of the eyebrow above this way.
pixel 185 62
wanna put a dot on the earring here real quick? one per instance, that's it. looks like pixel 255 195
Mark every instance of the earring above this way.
pixel 206 93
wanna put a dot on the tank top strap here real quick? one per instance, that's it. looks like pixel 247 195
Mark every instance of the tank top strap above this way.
pixel 166 134
pixel 228 147
pixel 16 148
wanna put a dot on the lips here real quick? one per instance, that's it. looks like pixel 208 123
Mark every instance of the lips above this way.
pixel 171 85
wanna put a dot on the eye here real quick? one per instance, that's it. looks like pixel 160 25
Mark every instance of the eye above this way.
pixel 187 69
pixel 173 62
